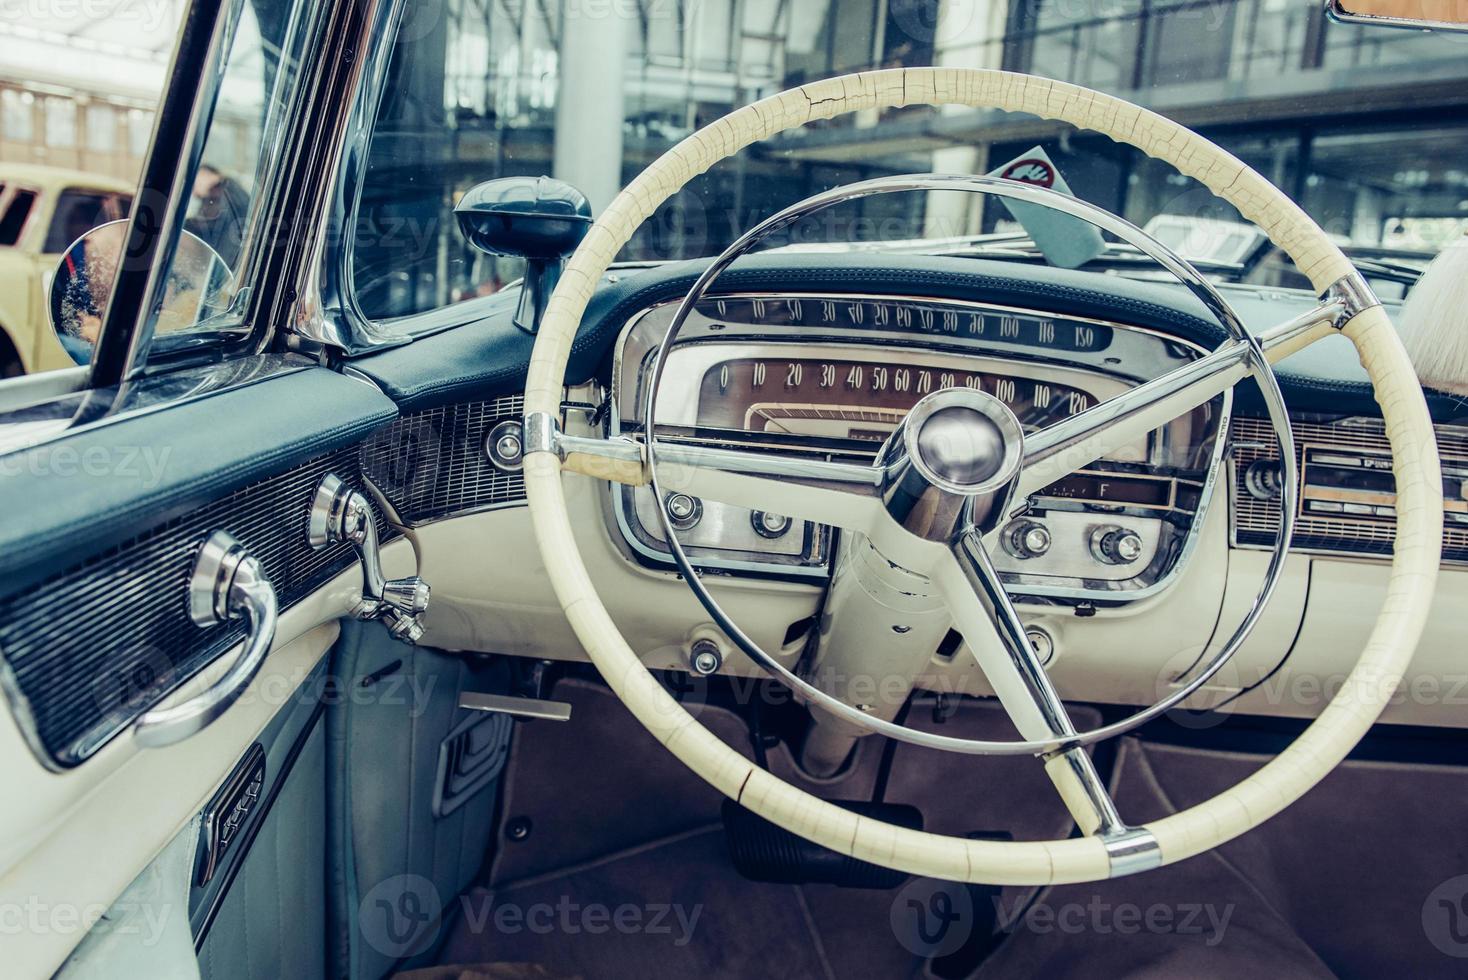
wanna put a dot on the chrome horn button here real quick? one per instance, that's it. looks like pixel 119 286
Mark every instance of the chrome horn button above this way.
pixel 951 464
pixel 964 441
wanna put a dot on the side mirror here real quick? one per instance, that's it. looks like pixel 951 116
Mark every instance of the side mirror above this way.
pixel 1421 15
pixel 537 218
pixel 198 284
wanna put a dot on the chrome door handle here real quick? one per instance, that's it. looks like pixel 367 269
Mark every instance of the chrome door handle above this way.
pixel 227 583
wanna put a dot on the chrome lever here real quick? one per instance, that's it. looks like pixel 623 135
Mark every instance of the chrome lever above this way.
pixel 339 513
pixel 227 583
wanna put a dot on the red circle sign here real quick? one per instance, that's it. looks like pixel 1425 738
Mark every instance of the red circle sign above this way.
pixel 1031 170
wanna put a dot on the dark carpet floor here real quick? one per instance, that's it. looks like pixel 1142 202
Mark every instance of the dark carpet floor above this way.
pixel 624 871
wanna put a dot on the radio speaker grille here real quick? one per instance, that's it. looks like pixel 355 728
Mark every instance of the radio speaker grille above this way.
pixel 1256 520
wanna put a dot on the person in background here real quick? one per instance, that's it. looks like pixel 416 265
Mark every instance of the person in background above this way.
pixel 219 214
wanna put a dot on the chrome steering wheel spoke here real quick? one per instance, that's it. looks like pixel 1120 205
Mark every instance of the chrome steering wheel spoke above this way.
pixel 1076 442
pixel 845 495
pixel 986 618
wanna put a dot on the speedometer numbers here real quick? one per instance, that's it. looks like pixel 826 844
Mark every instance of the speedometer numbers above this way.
pixel 853 315
pixel 752 393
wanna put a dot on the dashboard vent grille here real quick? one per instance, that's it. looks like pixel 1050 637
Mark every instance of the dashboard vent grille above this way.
pixel 88 651
pixel 1256 520
pixel 432 464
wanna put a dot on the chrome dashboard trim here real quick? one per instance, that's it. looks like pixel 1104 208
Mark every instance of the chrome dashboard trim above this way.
pixel 1023 361
pixel 326 311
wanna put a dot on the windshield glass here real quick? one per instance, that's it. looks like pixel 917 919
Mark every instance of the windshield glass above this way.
pixel 1363 127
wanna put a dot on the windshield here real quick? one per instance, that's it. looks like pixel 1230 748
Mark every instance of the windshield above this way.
pixel 1363 127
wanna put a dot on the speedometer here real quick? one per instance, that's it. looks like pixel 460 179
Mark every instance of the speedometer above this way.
pixel 833 376
pixel 853 398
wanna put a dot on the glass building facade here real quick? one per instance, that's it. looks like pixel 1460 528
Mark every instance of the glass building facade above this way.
pixel 1366 128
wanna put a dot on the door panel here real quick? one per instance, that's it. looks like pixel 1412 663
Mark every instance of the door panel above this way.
pixel 414 790
pixel 95 629
pixel 80 844
pixel 270 881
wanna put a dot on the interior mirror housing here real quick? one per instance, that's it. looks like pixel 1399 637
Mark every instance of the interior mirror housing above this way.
pixel 198 287
pixel 537 218
pixel 1422 15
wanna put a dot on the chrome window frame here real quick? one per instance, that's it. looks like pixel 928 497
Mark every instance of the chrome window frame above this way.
pixel 160 201
pixel 329 312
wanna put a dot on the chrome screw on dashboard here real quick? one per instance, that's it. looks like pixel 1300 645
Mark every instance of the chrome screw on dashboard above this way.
pixel 341 514
pixel 1027 539
pixel 1114 545
pixel 768 525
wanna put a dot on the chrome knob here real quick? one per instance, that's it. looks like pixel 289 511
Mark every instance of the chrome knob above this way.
pixel 505 446
pixel 684 510
pixel 705 657
pixel 1114 545
pixel 409 595
pixel 340 514
pixel 1027 539
pixel 768 525
pixel 401 626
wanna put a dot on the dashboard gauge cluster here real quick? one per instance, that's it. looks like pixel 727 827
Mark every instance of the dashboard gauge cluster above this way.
pixel 832 376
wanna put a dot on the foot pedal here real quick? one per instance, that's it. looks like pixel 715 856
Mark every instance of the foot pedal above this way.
pixel 762 851
pixel 984 935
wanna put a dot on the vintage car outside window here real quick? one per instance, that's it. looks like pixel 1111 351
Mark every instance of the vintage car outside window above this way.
pixel 78 211
pixel 12 221
pixel 480 91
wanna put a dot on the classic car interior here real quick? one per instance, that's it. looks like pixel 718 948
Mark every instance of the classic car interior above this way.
pixel 1046 594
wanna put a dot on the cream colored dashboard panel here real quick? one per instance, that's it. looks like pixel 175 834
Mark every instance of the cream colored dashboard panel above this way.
pixel 1346 596
pixel 491 592
pixel 1125 655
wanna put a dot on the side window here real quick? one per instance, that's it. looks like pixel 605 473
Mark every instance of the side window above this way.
pixel 77 212
pixel 12 221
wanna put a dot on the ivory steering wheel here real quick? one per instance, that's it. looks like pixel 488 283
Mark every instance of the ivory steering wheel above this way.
pixel 947 477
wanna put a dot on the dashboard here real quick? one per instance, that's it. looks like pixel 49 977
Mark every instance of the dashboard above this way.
pixel 831 375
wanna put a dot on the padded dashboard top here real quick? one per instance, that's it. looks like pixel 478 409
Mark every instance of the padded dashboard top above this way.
pixel 481 354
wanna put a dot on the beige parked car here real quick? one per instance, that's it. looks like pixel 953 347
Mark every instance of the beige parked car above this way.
pixel 42 211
